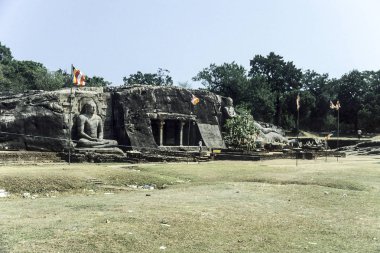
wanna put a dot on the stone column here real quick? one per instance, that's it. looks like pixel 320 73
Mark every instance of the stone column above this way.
pixel 181 133
pixel 162 123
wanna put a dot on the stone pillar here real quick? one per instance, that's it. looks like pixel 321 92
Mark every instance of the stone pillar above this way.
pixel 162 123
pixel 181 133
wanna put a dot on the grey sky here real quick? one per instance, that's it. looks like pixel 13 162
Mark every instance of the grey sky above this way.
pixel 116 38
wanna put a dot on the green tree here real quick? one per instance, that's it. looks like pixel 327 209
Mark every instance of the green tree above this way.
pixel 228 79
pixel 322 89
pixel 161 78
pixel 307 104
pixel 351 93
pixel 97 81
pixel 260 99
pixel 281 76
pixel 22 75
pixel 49 80
pixel 369 114
pixel 5 54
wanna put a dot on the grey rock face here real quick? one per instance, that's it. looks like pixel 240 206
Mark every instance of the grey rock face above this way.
pixel 140 112
pixel 29 121
pixel 138 117
pixel 39 120
pixel 364 148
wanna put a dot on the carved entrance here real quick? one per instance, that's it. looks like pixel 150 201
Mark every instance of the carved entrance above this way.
pixel 171 132
pixel 191 134
pixel 155 124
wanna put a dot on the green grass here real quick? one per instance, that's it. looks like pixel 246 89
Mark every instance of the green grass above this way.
pixel 267 206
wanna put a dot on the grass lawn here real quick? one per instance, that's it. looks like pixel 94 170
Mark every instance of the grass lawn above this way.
pixel 265 206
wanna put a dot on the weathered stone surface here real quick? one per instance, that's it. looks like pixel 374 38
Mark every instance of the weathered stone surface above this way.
pixel 363 148
pixel 135 107
pixel 32 121
pixel 45 121
pixel 39 120
pixel 269 133
pixel 211 135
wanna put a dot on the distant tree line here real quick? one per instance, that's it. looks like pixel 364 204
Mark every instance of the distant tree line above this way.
pixel 268 89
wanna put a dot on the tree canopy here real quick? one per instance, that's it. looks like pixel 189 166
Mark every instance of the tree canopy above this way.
pixel 18 76
pixel 161 78
pixel 271 86
pixel 281 77
pixel 229 79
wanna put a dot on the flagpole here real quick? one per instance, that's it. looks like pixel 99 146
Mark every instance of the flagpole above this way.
pixel 338 131
pixel 298 133
pixel 326 148
pixel 337 140
pixel 298 125
pixel 71 92
pixel 188 132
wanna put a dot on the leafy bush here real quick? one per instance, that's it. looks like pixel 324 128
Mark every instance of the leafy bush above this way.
pixel 240 131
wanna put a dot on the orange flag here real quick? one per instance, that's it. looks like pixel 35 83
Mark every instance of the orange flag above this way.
pixel 194 100
pixel 79 79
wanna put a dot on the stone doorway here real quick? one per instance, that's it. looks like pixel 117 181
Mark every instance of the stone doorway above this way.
pixel 155 125
pixel 171 132
pixel 193 137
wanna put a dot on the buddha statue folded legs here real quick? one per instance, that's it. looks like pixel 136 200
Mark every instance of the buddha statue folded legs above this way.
pixel 90 129
pixel 96 144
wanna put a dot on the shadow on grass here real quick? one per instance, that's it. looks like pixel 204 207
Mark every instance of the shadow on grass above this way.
pixel 343 185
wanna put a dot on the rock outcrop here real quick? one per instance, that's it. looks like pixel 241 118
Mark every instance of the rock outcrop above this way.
pixel 147 117
pixel 269 133
pixel 363 148
pixel 138 117
pixel 42 121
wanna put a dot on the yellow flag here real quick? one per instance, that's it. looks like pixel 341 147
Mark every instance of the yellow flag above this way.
pixel 298 102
